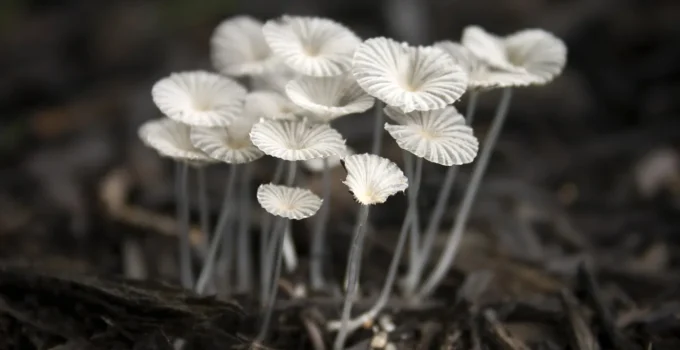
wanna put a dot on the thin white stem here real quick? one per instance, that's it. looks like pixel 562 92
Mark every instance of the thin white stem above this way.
pixel 182 187
pixel 471 107
pixel 394 264
pixel 207 272
pixel 416 268
pixel 377 128
pixel 456 234
pixel 317 280
pixel 264 237
pixel 244 265
pixel 290 177
pixel 415 272
pixel 203 207
pixel 290 256
pixel 227 254
pixel 412 208
pixel 274 249
pixel 353 271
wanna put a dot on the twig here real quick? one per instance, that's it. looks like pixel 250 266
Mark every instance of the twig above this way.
pixel 604 318
pixel 315 334
pixel 428 332
pixel 453 340
pixel 113 193
pixel 500 333
pixel 581 337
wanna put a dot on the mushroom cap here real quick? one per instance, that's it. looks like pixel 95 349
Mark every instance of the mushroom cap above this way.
pixel 199 98
pixel 227 144
pixel 328 98
pixel 238 48
pixel 372 179
pixel 270 105
pixel 297 140
pixel 482 76
pixel 439 136
pixel 411 78
pixel 288 202
pixel 534 55
pixel 171 139
pixel 316 165
pixel 274 80
pixel 311 45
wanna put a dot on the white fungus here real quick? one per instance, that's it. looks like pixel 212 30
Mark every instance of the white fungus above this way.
pixel 297 140
pixel 372 179
pixel 171 139
pixel 482 76
pixel 199 98
pixel 274 80
pixel 439 136
pixel 270 105
pixel 534 53
pixel 317 164
pixel 311 45
pixel 238 48
pixel 227 144
pixel 288 202
pixel 411 78
pixel 329 97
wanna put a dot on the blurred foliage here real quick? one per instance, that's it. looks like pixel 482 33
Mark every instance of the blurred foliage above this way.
pixel 187 12
pixel 11 134
pixel 10 12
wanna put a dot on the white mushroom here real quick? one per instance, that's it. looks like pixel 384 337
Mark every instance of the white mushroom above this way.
pixel 410 78
pixel 311 45
pixel 199 98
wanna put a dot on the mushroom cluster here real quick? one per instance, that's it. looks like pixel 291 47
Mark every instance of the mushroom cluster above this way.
pixel 276 88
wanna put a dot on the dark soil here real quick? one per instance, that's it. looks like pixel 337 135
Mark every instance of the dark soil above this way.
pixel 574 241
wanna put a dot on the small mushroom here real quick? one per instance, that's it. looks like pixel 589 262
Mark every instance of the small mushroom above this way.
pixel 294 141
pixel 328 98
pixel 287 203
pixel 231 145
pixel 270 105
pixel 238 48
pixel 534 55
pixel 171 139
pixel 312 46
pixel 371 179
pixel 199 98
pixel 410 78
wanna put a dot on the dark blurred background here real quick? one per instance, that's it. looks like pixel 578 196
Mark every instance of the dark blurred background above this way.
pixel 75 80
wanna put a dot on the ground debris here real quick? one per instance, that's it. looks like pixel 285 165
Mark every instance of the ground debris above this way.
pixel 59 309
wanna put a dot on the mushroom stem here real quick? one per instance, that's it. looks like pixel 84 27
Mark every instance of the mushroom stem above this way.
pixel 203 208
pixel 182 198
pixel 278 172
pixel 274 248
pixel 377 129
pixel 264 237
pixel 471 107
pixel 319 238
pixel 412 208
pixel 244 266
pixel 290 256
pixel 292 169
pixel 456 233
pixel 288 246
pixel 353 270
pixel 384 296
pixel 207 271
pixel 416 269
